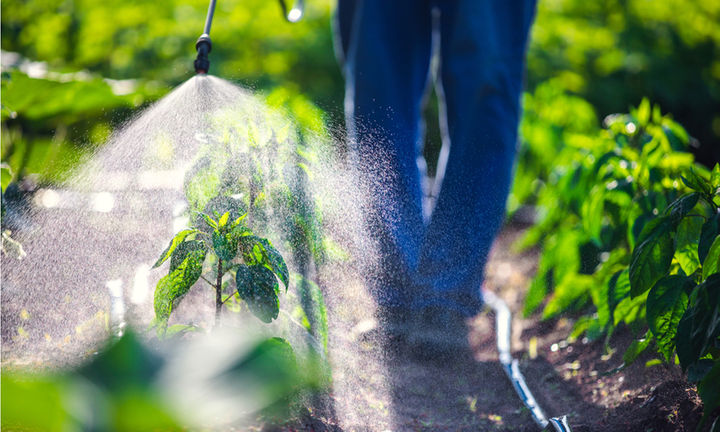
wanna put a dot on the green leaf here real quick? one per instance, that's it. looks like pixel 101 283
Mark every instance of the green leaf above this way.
pixel 237 221
pixel 715 177
pixel 699 327
pixel 123 365
pixel 679 208
pixel 258 250
pixel 711 265
pixel 209 220
pixel 636 348
pixel 696 183
pixel 225 244
pixel 182 251
pixel 709 390
pixel 568 292
pixel 710 230
pixel 171 288
pixel 666 304
pixel 5 176
pixel 686 244
pixel 651 259
pixel 276 262
pixel 697 371
pixel 179 238
pixel 258 287
pixel 224 219
pixel 618 289
pixel 592 212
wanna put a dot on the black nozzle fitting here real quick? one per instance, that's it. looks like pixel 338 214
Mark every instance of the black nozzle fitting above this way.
pixel 203 47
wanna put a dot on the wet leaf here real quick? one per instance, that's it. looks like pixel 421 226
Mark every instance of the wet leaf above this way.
pixel 182 251
pixel 179 238
pixel 225 244
pixel 171 288
pixel 258 287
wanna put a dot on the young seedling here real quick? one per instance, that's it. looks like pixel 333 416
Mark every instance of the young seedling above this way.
pixel 255 263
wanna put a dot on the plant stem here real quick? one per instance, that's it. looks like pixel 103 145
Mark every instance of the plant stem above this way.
pixel 218 292
pixel 209 283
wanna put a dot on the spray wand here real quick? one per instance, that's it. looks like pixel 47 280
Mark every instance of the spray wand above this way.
pixel 204 44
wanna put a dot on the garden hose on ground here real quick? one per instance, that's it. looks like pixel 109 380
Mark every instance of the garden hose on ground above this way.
pixel 203 46
pixel 503 321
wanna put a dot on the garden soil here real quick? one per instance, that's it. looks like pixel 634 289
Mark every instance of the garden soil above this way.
pixel 378 391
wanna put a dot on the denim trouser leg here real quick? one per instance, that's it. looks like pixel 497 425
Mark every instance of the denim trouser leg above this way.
pixel 386 47
pixel 387 58
pixel 482 62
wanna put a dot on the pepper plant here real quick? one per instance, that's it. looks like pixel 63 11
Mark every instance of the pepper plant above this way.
pixel 254 263
pixel 677 263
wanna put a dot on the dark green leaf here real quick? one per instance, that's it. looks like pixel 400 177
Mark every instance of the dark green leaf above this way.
pixel 699 327
pixel 182 251
pixel 697 371
pixel 709 390
pixel 696 183
pixel 258 250
pixel 225 244
pixel 651 259
pixel 276 262
pixel 666 304
pixel 711 265
pixel 258 287
pixel 171 288
pixel 679 208
pixel 710 230
pixel 618 289
pixel 179 238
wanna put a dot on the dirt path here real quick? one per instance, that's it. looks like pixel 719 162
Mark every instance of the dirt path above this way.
pixel 376 391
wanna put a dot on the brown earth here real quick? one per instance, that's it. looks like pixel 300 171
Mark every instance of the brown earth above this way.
pixel 470 392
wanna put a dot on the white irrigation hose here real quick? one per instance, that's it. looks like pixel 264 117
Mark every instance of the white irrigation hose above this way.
pixel 503 320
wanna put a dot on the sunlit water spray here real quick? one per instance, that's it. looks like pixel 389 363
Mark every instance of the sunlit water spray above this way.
pixel 91 242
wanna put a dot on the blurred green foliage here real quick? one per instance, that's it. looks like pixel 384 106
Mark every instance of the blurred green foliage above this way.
pixel 614 53
pixel 130 387
pixel 610 53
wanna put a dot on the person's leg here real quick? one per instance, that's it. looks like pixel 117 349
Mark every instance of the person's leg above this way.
pixel 386 67
pixel 482 61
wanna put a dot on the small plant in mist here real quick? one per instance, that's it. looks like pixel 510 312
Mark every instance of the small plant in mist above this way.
pixel 234 249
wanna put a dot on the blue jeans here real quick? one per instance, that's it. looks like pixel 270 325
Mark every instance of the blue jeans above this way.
pixel 385 47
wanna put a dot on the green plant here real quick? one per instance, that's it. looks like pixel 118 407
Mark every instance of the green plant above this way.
pixel 627 227
pixel 677 263
pixel 255 264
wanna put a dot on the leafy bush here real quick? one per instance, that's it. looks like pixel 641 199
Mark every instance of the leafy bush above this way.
pixel 626 239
